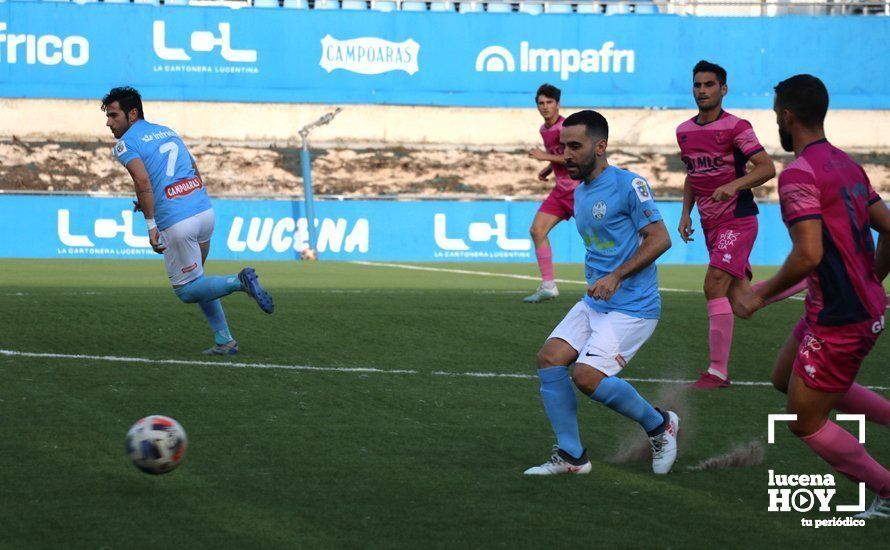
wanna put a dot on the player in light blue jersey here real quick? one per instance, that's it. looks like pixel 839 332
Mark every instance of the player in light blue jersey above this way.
pixel 172 196
pixel 624 235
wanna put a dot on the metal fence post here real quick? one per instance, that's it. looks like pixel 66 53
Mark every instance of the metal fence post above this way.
pixel 311 252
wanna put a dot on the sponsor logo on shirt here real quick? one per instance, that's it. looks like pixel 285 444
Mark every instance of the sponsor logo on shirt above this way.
pixel 183 187
pixel 702 163
pixel 593 239
pixel 190 268
pixel 878 326
pixel 369 55
pixel 164 134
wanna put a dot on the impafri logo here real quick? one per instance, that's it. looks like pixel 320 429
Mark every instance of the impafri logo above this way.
pixel 201 41
pixel 44 49
pixel 479 232
pixel 369 55
pixel 804 493
pixel 565 62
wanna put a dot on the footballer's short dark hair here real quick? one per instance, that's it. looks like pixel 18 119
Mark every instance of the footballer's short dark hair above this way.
pixel 548 90
pixel 128 98
pixel 805 96
pixel 595 124
pixel 708 67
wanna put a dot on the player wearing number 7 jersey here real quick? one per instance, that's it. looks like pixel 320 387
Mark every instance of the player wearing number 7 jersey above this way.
pixel 172 196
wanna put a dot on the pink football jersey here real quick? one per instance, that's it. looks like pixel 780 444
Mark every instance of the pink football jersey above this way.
pixel 824 183
pixel 715 154
pixel 553 147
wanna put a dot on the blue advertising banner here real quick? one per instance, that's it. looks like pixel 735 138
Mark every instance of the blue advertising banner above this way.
pixel 403 231
pixel 64 50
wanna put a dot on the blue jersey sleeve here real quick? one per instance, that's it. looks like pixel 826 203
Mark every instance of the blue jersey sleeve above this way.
pixel 641 204
pixel 124 152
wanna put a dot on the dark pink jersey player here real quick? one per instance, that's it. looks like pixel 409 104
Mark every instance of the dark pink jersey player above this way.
pixel 830 209
pixel 717 147
pixel 845 300
pixel 560 203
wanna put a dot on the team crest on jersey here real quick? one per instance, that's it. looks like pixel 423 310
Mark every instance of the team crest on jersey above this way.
pixel 599 210
pixel 720 136
pixel 120 148
pixel 642 190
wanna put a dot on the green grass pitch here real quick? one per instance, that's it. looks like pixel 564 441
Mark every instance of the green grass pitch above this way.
pixel 283 458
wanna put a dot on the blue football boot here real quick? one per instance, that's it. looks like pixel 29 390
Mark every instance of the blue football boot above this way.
pixel 251 285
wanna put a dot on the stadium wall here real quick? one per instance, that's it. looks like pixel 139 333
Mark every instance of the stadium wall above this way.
pixel 390 125
pixel 65 50
pixel 61 226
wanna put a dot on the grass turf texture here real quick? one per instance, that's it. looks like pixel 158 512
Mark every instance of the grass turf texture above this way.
pixel 283 459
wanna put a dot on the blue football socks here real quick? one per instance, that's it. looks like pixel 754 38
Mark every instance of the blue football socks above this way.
pixel 622 398
pixel 207 289
pixel 561 405
pixel 216 318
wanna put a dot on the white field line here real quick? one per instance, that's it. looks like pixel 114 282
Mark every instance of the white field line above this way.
pixel 492 274
pixel 798 297
pixel 115 359
pixel 402 292
pixel 357 370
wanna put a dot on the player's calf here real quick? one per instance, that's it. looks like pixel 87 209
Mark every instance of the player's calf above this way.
pixel 586 379
pixel 206 289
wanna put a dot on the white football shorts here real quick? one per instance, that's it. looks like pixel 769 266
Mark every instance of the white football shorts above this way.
pixel 183 254
pixel 604 341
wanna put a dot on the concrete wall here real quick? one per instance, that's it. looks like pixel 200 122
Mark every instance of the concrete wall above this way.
pixel 358 125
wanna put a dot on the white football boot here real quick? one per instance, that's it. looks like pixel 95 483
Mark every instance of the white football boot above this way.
pixel 541 295
pixel 559 464
pixel 879 509
pixel 664 445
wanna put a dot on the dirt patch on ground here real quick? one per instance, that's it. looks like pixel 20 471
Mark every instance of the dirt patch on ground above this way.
pixel 236 169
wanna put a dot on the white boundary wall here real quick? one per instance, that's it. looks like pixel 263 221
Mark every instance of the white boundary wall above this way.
pixel 399 125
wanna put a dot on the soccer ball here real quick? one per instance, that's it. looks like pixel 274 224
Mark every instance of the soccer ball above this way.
pixel 308 254
pixel 156 444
